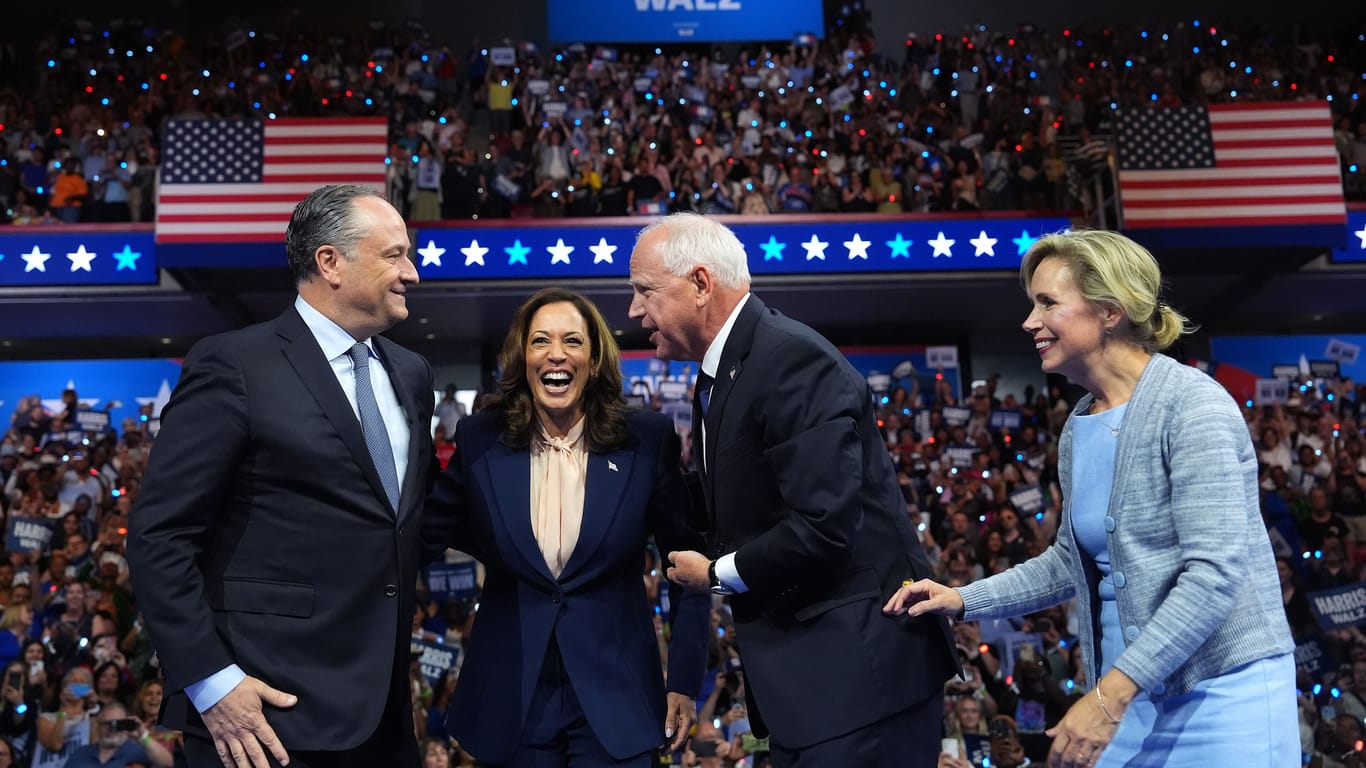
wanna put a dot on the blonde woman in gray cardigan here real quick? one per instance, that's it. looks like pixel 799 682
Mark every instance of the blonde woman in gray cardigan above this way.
pixel 1161 540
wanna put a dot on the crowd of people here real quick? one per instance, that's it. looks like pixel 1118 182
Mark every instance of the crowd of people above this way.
pixel 974 119
pixel 73 643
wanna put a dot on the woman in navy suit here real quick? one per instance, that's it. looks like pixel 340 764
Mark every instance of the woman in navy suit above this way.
pixel 556 488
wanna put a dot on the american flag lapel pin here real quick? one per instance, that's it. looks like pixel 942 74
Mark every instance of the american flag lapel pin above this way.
pixel 612 465
pixel 732 373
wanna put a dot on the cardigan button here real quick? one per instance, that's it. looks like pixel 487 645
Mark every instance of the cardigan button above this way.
pixel 1131 633
pixel 1119 579
pixel 1109 524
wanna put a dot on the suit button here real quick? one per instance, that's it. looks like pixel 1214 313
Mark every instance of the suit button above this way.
pixel 1119 579
pixel 556 598
pixel 1131 633
pixel 1109 524
pixel 1159 689
pixel 390 590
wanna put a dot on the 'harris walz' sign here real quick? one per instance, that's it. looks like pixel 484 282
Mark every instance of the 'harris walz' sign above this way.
pixel 1341 607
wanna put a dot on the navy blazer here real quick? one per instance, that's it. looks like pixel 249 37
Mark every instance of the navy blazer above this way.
pixel 263 537
pixel 799 484
pixel 597 611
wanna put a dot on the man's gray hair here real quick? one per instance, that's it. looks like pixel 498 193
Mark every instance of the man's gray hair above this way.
pixel 690 240
pixel 325 217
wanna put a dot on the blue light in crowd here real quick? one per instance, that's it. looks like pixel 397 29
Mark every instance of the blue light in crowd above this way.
pixel 303 57
pixel 782 124
pixel 999 59
pixel 40 190
pixel 935 71
pixel 1223 43
pixel 1250 404
pixel 1335 693
pixel 1306 555
pixel 115 493
pixel 379 68
pixel 424 58
pixel 1143 34
pixel 883 83
pixel 232 83
pixel 1247 70
pixel 1033 74
pixel 205 73
pixel 128 53
pixel 124 165
pixel 514 101
pixel 387 161
pixel 1318 554
pixel 146 87
pixel 256 105
pixel 1318 688
pixel 901 126
pixel 847 118
pixel 866 73
pixel 1330 97
pixel 261 65
pixel 1351 169
pixel 649 97
pixel 1330 394
pixel 51 63
pixel 142 417
pixel 149 49
pixel 1276 83
pixel 57 164
pixel 415 159
pixel 886 399
pixel 369 102
pixel 92 71
pixel 1038 515
pixel 929 129
pixel 953 94
pixel 1196 23
pixel 195 92
pixel 1164 37
pixel 925 153
pixel 1154 97
pixel 1234 94
pixel 1128 63
pixel 3 162
pixel 1195 49
pixel 252 34
pixel 893 93
pixel 808 134
pixel 1029 57
pixel 21 709
pixel 1233 65
pixel 559 57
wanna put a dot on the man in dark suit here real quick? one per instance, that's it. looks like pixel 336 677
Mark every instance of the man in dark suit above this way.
pixel 275 544
pixel 809 529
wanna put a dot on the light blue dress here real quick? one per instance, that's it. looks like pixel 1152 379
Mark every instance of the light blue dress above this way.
pixel 1217 721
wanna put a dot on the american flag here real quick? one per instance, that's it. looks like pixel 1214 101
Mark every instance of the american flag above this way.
pixel 239 180
pixel 1229 165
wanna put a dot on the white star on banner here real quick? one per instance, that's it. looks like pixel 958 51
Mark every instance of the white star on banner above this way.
pixel 858 247
pixel 815 248
pixel 35 259
pixel 559 252
pixel 163 396
pixel 983 245
pixel 942 246
pixel 431 254
pixel 602 251
pixel 81 259
pixel 474 253
pixel 1362 234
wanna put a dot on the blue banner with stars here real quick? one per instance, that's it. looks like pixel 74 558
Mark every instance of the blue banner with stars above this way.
pixel 775 245
pixel 42 256
pixel 1355 250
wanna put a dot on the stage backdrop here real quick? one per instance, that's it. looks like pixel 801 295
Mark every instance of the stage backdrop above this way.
pixel 126 383
pixel 665 21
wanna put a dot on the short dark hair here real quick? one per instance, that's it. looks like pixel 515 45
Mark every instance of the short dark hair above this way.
pixel 604 402
pixel 325 217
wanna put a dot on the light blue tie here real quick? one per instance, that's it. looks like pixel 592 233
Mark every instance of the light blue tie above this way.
pixel 372 424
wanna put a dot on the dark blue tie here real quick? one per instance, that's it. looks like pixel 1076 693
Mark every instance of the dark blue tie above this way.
pixel 703 390
pixel 372 424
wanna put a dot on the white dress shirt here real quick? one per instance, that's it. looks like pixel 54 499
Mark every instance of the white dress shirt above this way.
pixel 726 571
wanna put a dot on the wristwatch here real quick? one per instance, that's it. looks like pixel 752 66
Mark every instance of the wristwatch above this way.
pixel 717 588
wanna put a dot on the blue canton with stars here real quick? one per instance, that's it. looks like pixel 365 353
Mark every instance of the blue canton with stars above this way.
pixel 213 152
pixel 1165 138
pixel 30 256
pixel 783 247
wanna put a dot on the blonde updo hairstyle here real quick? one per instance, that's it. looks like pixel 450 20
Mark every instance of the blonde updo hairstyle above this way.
pixel 1109 268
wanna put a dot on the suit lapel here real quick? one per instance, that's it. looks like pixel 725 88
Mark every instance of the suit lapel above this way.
pixel 608 476
pixel 510 478
pixel 727 373
pixel 306 357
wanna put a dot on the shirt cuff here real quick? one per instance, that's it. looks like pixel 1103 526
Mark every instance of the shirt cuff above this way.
pixel 727 574
pixel 212 689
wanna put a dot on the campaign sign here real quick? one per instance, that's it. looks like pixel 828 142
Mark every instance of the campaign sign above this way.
pixel 1342 351
pixel 1324 369
pixel 1028 500
pixel 433 658
pixel 941 357
pixel 961 455
pixel 1272 391
pixel 1340 608
pixel 955 416
pixel 1287 371
pixel 1005 419
pixel 26 534
pixel 662 21
pixel 452 581
pixel 502 56
pixel 1311 657
pixel 92 421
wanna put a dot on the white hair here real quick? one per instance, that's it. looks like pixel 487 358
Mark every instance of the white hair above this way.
pixel 691 240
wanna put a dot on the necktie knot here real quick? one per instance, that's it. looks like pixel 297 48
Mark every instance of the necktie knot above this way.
pixel 360 357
